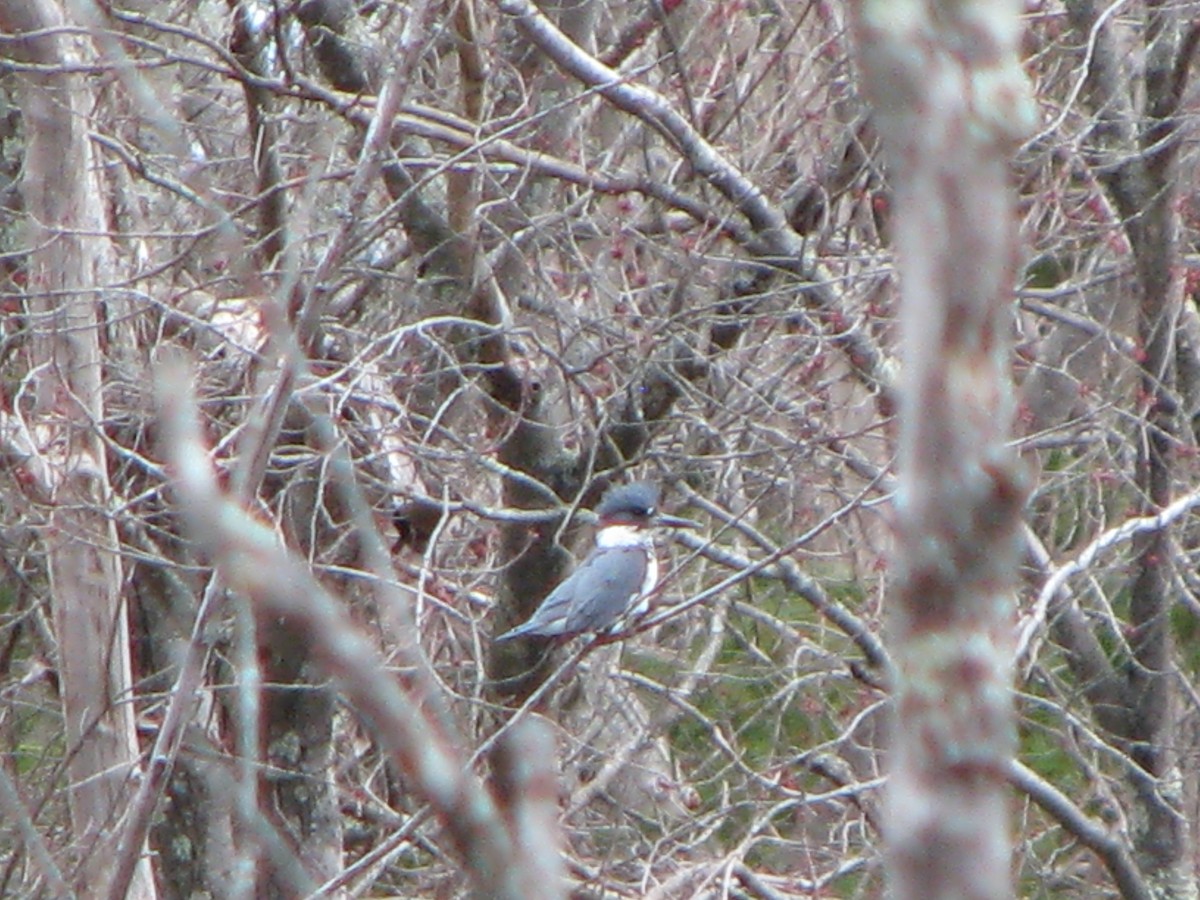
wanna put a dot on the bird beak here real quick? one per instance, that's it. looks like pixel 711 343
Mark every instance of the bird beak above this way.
pixel 676 522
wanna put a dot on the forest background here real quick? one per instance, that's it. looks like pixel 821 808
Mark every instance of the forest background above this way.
pixel 325 323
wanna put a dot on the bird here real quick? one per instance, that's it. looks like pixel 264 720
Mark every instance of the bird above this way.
pixel 612 587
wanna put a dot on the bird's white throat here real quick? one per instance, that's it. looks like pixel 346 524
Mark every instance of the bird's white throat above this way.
pixel 621 536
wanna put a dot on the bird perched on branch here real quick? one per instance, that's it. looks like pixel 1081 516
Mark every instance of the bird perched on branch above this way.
pixel 613 585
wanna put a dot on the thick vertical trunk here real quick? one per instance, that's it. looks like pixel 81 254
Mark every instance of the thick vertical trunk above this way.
pixel 68 264
pixel 1161 832
pixel 1161 838
pixel 1136 152
pixel 949 101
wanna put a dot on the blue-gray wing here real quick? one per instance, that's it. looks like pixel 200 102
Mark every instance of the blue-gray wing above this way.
pixel 550 618
pixel 605 588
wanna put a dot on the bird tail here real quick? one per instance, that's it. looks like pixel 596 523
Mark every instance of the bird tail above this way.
pixel 526 628
pixel 533 628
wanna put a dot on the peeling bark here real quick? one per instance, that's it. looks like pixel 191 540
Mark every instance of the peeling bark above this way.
pixel 69 260
pixel 950 101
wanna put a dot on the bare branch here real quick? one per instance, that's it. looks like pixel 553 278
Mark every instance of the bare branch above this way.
pixel 252 562
pixel 1111 848
pixel 1033 621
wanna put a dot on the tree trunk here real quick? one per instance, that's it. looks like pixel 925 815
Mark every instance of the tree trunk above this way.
pixel 68 261
pixel 1136 152
pixel 949 99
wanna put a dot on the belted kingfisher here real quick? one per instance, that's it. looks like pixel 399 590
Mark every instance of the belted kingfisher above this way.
pixel 613 585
